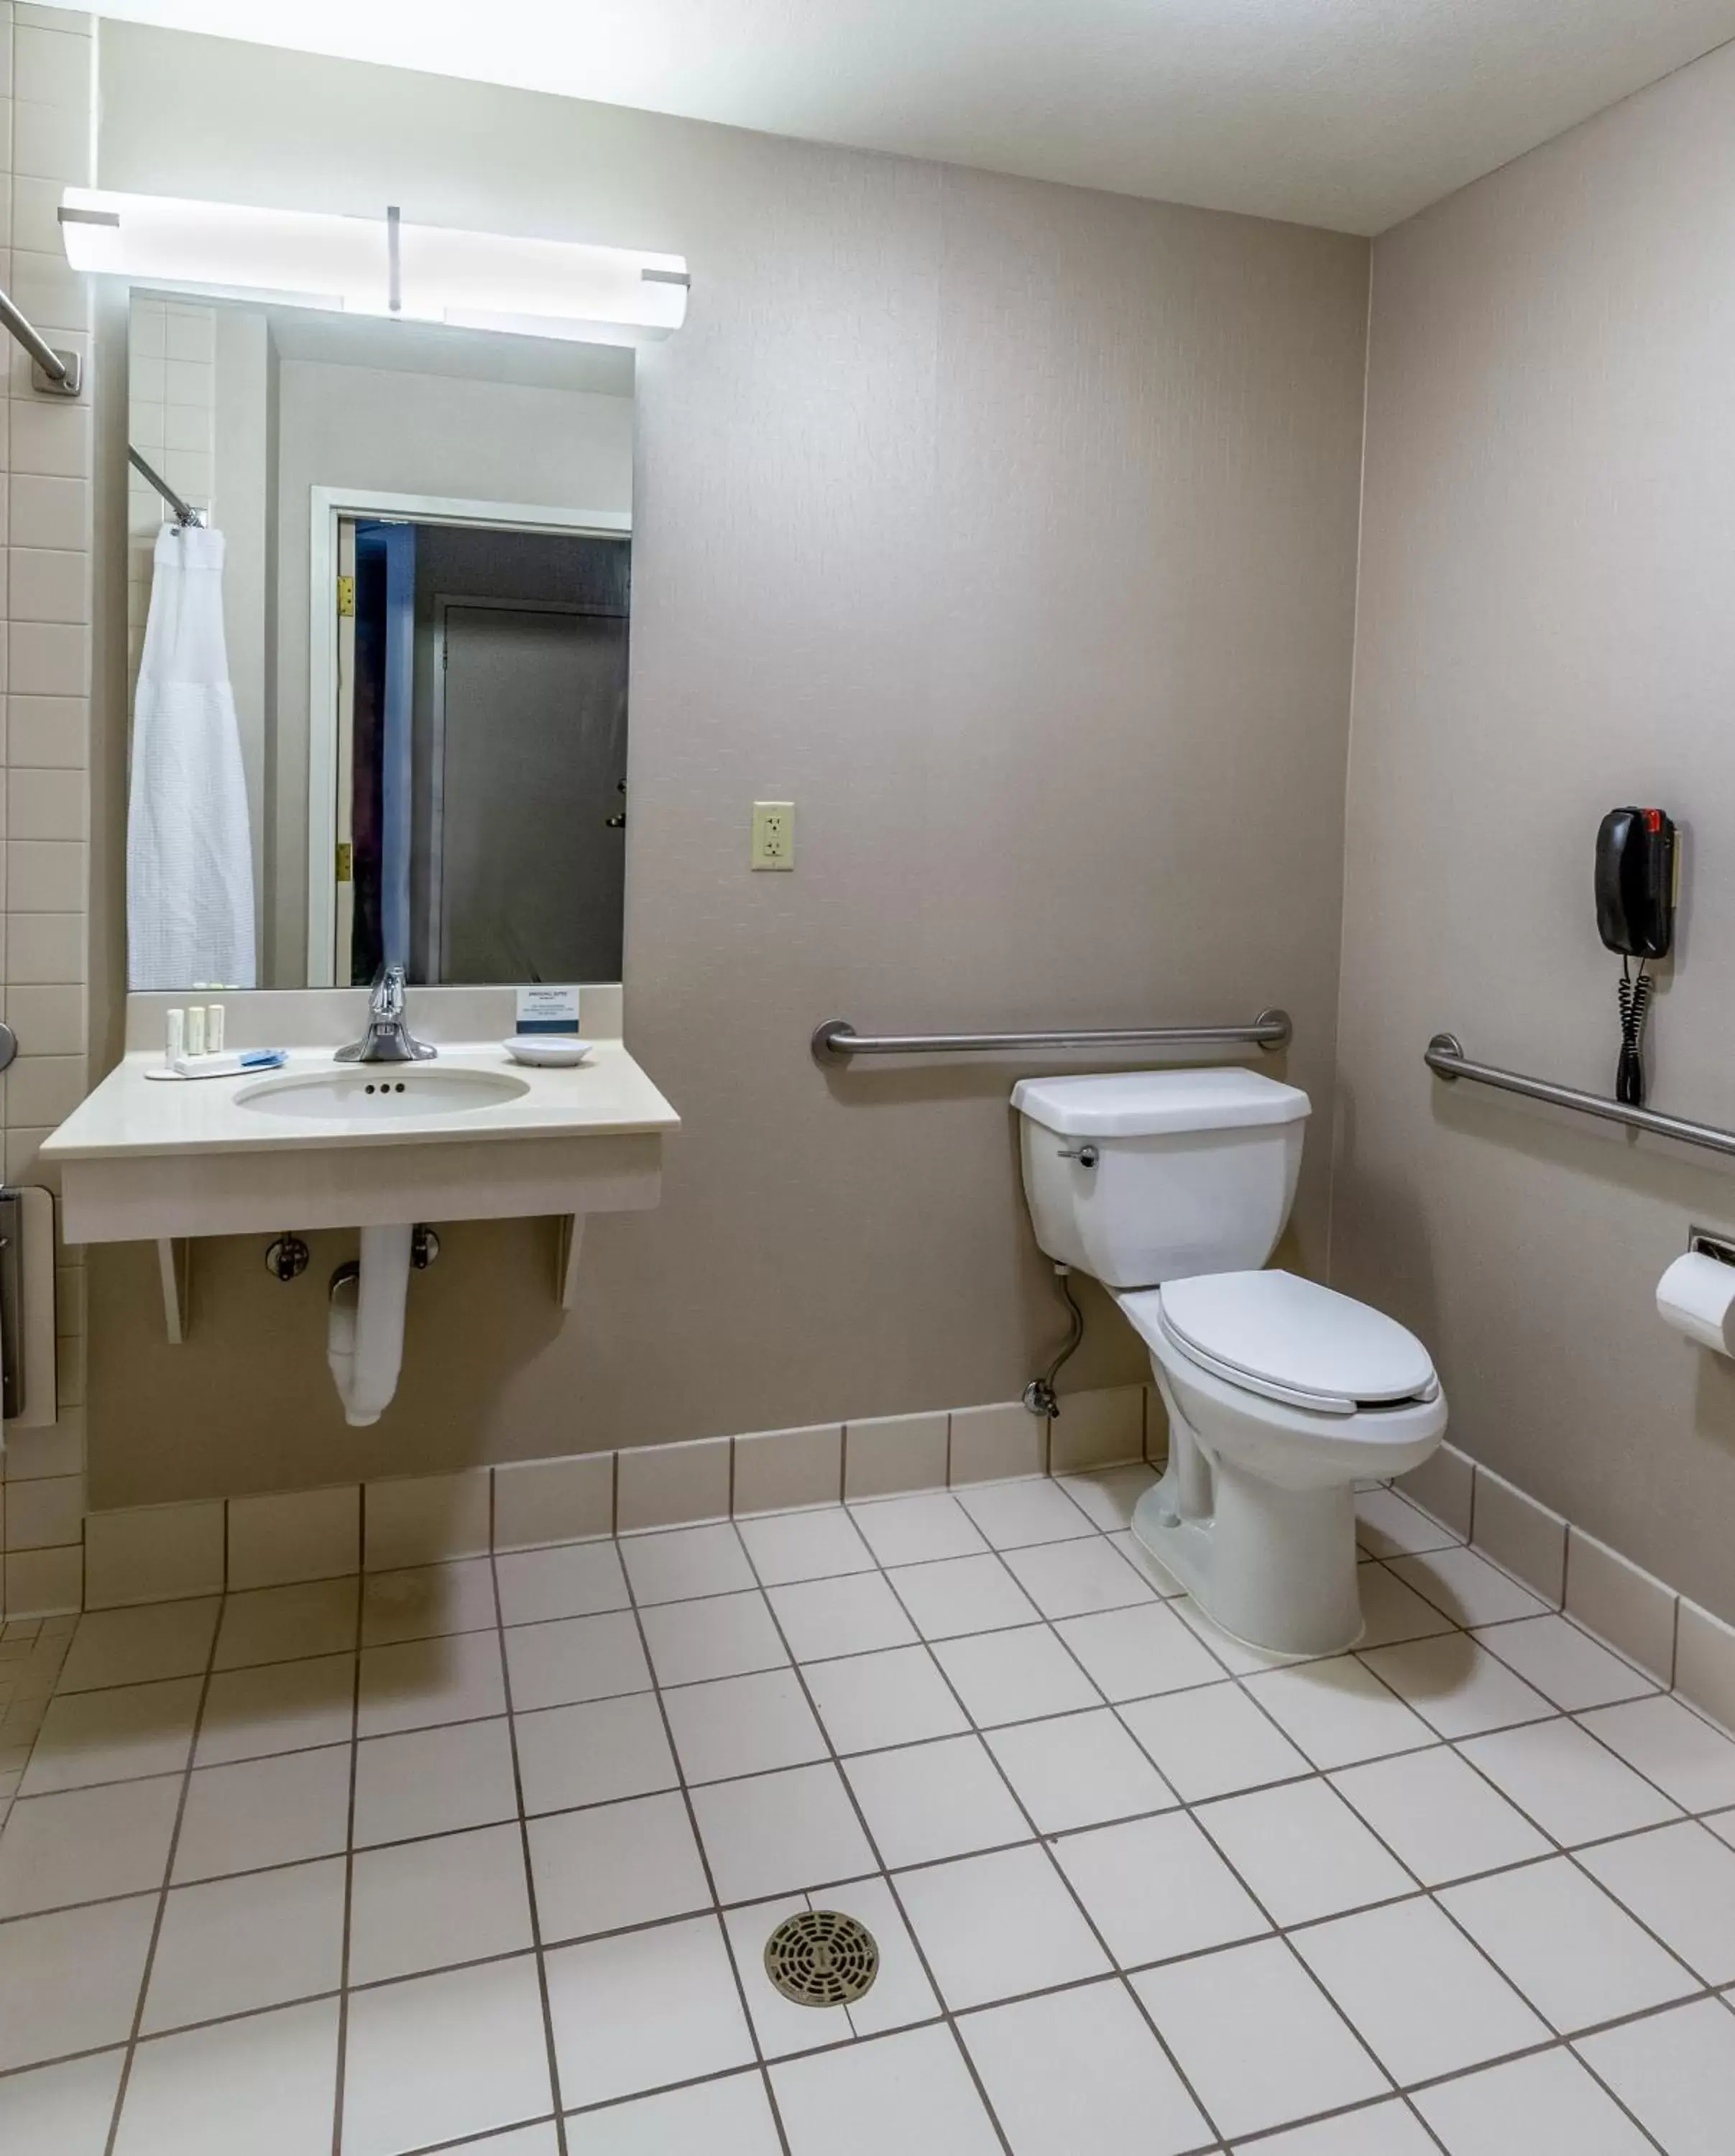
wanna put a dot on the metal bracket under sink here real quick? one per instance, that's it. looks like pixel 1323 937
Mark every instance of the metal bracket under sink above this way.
pixel 569 1241
pixel 174 1266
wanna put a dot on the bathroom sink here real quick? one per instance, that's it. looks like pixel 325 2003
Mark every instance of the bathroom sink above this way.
pixel 318 1144
pixel 380 1092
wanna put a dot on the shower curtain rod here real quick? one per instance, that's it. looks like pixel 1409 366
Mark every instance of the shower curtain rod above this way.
pixel 55 373
pixel 185 513
pixel 61 374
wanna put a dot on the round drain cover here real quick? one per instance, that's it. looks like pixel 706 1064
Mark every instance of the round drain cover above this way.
pixel 822 1958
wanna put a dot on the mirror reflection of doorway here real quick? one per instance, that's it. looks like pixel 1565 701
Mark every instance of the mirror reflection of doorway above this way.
pixel 528 759
pixel 482 732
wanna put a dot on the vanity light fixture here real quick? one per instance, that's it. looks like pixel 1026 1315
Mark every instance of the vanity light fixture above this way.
pixel 546 288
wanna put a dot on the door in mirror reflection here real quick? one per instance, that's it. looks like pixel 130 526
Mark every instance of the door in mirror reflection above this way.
pixel 481 754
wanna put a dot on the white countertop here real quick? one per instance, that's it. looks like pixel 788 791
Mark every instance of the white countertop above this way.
pixel 131 1115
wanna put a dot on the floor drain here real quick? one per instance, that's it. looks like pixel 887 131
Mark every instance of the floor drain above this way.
pixel 821 1958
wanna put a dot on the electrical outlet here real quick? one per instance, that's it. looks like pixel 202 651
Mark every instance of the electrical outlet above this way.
pixel 773 834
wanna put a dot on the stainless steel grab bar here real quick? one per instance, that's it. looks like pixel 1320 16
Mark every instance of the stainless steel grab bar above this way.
pixel 837 1041
pixel 1445 1059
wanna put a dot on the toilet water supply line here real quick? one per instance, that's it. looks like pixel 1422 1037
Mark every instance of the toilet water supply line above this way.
pixel 364 1334
pixel 1040 1395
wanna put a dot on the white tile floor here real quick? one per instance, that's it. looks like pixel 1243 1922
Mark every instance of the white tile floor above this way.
pixel 483 1855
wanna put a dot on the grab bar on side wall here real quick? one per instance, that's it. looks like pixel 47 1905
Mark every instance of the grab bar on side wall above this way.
pixel 837 1041
pixel 55 373
pixel 1445 1059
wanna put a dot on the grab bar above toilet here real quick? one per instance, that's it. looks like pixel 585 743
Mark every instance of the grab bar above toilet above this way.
pixel 1445 1058
pixel 837 1041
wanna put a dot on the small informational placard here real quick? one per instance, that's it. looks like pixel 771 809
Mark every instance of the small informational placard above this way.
pixel 548 1010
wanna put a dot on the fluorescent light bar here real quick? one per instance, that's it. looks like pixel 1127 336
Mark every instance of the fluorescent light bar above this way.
pixel 549 288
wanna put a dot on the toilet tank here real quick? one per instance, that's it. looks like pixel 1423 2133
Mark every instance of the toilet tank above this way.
pixel 1194 1170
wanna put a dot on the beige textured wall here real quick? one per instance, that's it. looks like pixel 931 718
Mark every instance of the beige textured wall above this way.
pixel 1548 629
pixel 1009 530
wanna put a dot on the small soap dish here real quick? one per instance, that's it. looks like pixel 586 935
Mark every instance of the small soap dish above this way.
pixel 554 1051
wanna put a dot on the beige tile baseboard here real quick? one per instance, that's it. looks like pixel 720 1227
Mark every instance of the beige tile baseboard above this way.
pixel 1673 1640
pixel 163 1553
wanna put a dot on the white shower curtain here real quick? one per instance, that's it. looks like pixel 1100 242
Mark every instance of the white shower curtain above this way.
pixel 189 849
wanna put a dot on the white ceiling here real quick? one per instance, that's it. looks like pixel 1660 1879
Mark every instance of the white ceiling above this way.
pixel 1347 113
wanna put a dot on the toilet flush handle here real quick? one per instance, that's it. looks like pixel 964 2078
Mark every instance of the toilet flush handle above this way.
pixel 1086 1155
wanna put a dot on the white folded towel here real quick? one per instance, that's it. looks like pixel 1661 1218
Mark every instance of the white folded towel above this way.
pixel 189 849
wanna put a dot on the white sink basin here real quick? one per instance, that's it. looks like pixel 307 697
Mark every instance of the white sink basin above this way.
pixel 383 1093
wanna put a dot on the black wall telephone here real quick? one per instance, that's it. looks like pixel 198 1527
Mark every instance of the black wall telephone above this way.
pixel 1636 861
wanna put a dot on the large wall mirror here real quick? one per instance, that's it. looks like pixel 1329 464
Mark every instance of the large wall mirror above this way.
pixel 411 584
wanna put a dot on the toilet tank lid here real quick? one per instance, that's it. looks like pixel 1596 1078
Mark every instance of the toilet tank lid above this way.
pixel 1130 1104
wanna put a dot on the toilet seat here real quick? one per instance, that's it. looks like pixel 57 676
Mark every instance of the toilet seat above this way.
pixel 1289 1340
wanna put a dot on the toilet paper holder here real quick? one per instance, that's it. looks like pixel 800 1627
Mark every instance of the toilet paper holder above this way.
pixel 1702 1243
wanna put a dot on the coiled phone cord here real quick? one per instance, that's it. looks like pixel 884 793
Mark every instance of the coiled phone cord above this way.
pixel 1636 992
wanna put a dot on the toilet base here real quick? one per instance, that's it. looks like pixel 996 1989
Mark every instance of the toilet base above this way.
pixel 1276 1568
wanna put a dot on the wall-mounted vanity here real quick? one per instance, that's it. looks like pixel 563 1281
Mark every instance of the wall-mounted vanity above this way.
pixel 469 1135
pixel 379 586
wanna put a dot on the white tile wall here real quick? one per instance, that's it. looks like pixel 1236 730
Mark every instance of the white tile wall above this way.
pixel 45 476
pixel 173 418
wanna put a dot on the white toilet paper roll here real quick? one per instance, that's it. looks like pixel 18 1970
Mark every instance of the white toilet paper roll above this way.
pixel 1696 1295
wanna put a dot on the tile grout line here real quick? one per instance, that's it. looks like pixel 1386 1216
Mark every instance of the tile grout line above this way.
pixel 692 1818
pixel 1576 1715
pixel 146 1972
pixel 531 1899
pixel 1430 1894
pixel 945 2012
pixel 1213 1800
pixel 1667 1686
pixel 341 2062
pixel 1449 1744
pixel 1275 1932
pixel 1115 1973
pixel 1437 1739
pixel 1435 1895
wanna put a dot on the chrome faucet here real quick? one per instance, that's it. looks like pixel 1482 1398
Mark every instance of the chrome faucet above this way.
pixel 389 1038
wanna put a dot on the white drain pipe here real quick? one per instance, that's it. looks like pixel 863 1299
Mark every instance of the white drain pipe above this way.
pixel 364 1339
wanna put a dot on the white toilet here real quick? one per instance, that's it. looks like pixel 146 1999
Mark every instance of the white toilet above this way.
pixel 1172 1188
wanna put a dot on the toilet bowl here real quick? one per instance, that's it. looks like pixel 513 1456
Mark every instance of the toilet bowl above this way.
pixel 1172 1188
pixel 1255 1513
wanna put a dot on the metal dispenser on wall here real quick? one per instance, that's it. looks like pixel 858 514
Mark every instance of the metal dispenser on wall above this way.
pixel 28 1375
